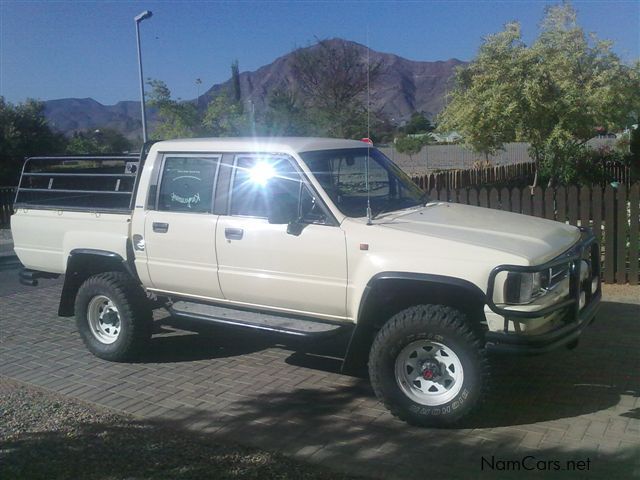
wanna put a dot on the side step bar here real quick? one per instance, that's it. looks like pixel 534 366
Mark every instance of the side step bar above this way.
pixel 284 325
pixel 30 277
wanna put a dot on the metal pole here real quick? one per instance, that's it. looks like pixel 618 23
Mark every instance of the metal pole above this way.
pixel 142 105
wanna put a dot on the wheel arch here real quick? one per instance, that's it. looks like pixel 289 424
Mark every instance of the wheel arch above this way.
pixel 83 263
pixel 387 293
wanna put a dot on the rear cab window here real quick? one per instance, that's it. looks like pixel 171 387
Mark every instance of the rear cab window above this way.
pixel 187 183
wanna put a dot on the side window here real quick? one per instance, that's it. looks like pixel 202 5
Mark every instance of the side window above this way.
pixel 187 184
pixel 259 182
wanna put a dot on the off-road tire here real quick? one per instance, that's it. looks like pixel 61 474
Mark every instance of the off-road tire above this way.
pixel 428 323
pixel 134 312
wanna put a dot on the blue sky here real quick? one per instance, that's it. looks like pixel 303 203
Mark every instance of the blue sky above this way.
pixel 87 48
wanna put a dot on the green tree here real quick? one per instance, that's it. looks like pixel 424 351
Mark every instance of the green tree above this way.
pixel 24 132
pixel 552 94
pixel 176 119
pixel 486 101
pixel 225 118
pixel 225 115
pixel 285 115
pixel 103 140
pixel 235 82
pixel 334 77
pixel 409 145
pixel 418 123
pixel 382 130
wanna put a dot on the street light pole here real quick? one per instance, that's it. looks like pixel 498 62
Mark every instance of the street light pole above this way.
pixel 144 15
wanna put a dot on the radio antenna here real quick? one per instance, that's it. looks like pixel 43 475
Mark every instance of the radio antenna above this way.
pixel 368 185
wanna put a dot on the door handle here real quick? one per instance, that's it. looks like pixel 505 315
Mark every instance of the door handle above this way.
pixel 233 233
pixel 160 227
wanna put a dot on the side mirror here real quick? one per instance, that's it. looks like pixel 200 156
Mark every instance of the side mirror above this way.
pixel 283 210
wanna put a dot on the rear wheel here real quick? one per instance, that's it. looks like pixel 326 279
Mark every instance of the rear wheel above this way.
pixel 427 366
pixel 113 316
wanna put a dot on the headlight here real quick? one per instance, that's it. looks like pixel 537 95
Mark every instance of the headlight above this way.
pixel 522 288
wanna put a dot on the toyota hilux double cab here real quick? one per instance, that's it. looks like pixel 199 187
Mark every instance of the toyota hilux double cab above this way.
pixel 312 237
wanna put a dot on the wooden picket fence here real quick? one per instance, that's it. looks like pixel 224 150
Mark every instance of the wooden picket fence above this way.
pixel 618 172
pixel 612 213
pixel 514 174
pixel 519 172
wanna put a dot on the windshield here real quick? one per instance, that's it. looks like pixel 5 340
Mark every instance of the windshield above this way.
pixel 342 174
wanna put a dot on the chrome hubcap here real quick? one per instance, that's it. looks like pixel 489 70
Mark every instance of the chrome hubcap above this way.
pixel 104 319
pixel 429 373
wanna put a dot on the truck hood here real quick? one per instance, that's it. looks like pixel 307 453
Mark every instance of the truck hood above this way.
pixel 536 240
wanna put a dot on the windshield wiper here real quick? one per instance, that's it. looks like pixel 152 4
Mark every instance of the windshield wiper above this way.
pixel 380 212
pixel 422 202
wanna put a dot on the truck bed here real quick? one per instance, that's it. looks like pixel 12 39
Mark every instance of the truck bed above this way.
pixel 43 238
pixel 64 203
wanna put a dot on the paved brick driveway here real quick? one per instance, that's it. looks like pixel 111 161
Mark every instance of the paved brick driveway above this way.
pixel 256 390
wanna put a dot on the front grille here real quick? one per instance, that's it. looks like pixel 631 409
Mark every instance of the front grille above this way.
pixel 581 263
pixel 554 276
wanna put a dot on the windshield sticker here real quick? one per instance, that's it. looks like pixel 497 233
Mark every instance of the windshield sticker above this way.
pixel 185 188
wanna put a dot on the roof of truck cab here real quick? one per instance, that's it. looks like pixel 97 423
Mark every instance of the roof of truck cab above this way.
pixel 256 144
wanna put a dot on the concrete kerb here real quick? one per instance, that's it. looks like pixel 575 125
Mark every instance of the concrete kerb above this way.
pixel 621 293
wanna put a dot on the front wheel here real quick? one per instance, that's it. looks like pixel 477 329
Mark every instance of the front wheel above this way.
pixel 113 316
pixel 427 366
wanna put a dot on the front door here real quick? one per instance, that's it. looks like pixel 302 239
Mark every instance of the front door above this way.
pixel 302 269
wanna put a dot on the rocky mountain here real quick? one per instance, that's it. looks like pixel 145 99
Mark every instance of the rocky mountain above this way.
pixel 402 87
pixel 70 115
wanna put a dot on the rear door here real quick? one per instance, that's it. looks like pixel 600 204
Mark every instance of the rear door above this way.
pixel 180 227
pixel 263 264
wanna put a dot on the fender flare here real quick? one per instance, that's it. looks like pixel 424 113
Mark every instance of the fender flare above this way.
pixel 356 356
pixel 83 263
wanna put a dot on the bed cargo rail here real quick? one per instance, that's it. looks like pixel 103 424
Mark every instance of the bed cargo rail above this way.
pixel 96 183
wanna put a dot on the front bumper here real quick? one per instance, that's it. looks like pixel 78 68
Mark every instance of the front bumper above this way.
pixel 575 317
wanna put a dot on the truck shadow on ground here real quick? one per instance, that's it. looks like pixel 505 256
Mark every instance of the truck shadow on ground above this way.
pixel 173 343
pixel 193 346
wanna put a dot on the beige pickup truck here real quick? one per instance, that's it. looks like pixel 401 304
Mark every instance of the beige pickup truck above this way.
pixel 310 237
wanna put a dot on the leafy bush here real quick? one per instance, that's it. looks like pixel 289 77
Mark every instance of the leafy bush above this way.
pixel 579 164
